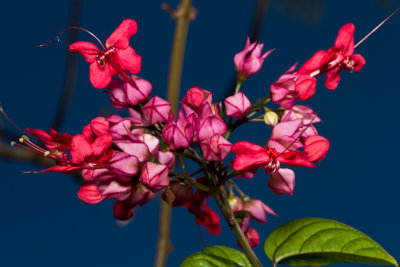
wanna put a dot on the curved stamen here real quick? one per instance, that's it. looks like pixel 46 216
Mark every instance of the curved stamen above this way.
pixel 73 28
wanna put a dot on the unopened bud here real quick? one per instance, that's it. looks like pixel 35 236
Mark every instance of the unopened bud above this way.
pixel 233 203
pixel 271 118
pixel 12 143
pixel 46 153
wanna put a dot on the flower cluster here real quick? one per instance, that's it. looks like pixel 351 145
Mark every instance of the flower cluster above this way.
pixel 131 159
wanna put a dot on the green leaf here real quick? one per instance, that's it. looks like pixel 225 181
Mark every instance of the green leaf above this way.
pixel 317 241
pixel 217 256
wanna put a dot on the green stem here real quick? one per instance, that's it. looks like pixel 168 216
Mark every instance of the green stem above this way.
pixel 223 204
pixel 174 79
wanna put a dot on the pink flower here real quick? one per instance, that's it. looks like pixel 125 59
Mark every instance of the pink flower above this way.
pixel 166 158
pixel 340 57
pixel 215 148
pixel 291 87
pixel 282 181
pixel 195 98
pixel 209 123
pixel 257 210
pixel 125 94
pixel 237 106
pixel 249 60
pixel 114 59
pixel 157 110
pixel 154 176
pixel 90 193
pixel 178 134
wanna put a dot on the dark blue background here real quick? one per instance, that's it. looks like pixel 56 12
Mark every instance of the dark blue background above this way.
pixel 43 223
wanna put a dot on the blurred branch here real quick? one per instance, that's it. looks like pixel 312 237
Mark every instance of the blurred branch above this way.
pixel 70 71
pixel 183 15
pixel 260 13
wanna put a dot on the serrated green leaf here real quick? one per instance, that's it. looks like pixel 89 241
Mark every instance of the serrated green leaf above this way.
pixel 317 241
pixel 217 256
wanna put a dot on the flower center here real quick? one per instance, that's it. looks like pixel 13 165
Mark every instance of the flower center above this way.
pixel 347 64
pixel 274 164
pixel 104 55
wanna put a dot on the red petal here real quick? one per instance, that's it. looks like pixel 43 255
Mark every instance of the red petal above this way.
pixel 345 40
pixel 64 169
pixel 80 149
pixel 359 61
pixel 250 162
pixel 316 148
pixel 246 147
pixel 101 144
pixel 129 60
pixel 99 78
pixel 88 50
pixel 332 78
pixel 314 63
pixel 120 37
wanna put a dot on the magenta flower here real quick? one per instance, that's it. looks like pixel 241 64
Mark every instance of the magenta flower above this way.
pixel 166 158
pixel 249 60
pixel 154 176
pixel 282 181
pixel 291 87
pixel 115 58
pixel 178 134
pixel 157 110
pixel 237 106
pixel 195 98
pixel 209 123
pixel 340 57
pixel 124 94
pixel 90 193
pixel 215 148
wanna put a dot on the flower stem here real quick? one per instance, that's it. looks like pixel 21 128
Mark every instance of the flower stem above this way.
pixel 223 204
pixel 174 79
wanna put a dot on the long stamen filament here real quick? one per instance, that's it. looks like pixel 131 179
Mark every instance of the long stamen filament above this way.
pixel 73 28
pixel 377 27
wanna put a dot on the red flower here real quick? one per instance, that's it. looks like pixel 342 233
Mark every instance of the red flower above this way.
pixel 340 57
pixel 116 58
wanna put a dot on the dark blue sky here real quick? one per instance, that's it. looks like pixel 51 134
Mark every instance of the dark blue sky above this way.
pixel 44 223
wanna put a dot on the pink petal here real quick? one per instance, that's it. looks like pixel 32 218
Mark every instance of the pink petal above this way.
pixel 282 181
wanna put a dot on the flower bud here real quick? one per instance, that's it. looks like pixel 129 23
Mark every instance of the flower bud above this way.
pixel 215 148
pixel 282 181
pixel 154 176
pixel 122 211
pixel 157 110
pixel 271 118
pixel 183 194
pixel 233 203
pixel 195 98
pixel 316 147
pixel 90 193
pixel 237 106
